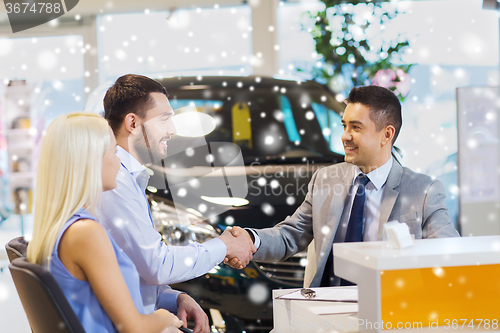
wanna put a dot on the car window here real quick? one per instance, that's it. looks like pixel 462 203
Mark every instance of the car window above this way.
pixel 265 123
pixel 291 128
pixel 330 123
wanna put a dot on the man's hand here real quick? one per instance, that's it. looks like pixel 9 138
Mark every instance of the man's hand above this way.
pixel 240 248
pixel 236 231
pixel 234 262
pixel 187 308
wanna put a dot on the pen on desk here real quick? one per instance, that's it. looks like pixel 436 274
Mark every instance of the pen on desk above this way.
pixel 320 300
pixel 310 295
pixel 307 293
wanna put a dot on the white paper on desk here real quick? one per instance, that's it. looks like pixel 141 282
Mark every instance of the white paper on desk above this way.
pixel 323 294
pixel 334 308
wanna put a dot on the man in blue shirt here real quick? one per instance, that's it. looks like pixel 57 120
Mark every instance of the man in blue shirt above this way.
pixel 140 115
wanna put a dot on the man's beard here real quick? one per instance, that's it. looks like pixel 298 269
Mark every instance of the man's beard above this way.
pixel 147 154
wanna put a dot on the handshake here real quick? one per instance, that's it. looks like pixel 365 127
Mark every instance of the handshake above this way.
pixel 240 248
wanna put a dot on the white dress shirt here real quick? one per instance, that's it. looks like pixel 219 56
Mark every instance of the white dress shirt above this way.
pixel 124 212
pixel 374 190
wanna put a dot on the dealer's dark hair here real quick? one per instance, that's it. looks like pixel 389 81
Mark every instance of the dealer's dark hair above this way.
pixel 385 108
pixel 131 93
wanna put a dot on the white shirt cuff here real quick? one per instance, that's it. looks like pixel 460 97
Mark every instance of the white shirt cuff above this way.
pixel 255 236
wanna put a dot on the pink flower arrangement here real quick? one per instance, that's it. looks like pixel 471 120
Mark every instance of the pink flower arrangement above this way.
pixel 398 81
pixel 384 78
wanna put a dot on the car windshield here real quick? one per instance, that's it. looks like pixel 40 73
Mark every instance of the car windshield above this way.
pixel 268 123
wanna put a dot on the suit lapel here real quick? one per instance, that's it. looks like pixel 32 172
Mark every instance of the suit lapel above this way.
pixel 337 198
pixel 390 195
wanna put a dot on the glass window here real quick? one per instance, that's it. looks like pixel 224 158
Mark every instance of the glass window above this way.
pixel 52 66
pixel 176 42
pixel 462 52
pixel 291 128
pixel 331 126
pixel 293 25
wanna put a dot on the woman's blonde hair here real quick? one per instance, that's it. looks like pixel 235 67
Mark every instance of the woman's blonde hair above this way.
pixel 68 176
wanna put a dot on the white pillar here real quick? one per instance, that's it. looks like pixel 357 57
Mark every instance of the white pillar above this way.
pixel 265 36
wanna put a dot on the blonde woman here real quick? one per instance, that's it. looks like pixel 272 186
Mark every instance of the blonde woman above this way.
pixel 77 162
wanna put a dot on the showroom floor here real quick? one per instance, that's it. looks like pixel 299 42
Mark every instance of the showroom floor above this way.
pixel 12 314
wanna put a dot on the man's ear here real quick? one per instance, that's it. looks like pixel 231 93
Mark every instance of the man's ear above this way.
pixel 388 134
pixel 131 122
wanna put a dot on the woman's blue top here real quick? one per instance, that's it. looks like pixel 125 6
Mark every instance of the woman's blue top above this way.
pixel 79 293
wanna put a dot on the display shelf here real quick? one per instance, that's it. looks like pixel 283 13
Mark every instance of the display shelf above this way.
pixel 19 131
pixel 19 183
pixel 5 196
pixel 21 146
pixel 20 143
pixel 19 135
pixel 21 175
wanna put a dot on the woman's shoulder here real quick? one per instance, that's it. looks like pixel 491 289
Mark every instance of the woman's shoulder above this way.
pixel 84 243
pixel 84 230
pixel 86 225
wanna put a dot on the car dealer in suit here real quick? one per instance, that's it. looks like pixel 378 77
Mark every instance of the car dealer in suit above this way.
pixel 351 201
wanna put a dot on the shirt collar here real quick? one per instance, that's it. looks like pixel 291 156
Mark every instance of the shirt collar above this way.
pixel 129 162
pixel 133 166
pixel 379 176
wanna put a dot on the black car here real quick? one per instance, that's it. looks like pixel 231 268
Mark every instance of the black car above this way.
pixel 263 140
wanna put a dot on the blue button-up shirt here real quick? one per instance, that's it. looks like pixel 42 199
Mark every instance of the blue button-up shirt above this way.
pixel 124 212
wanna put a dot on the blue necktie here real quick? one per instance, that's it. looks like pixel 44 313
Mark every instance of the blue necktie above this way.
pixel 355 228
pixel 354 231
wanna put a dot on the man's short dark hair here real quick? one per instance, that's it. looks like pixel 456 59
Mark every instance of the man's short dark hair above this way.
pixel 385 108
pixel 130 94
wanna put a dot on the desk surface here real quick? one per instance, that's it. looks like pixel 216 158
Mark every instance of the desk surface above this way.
pixel 438 252
pixel 296 316
pixel 299 316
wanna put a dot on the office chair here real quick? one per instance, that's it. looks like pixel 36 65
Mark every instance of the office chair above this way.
pixel 40 294
pixel 44 302
pixel 16 248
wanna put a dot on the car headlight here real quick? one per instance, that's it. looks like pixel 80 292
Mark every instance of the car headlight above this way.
pixel 181 230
